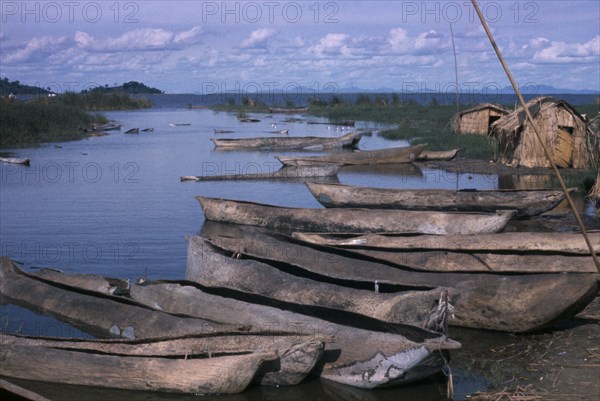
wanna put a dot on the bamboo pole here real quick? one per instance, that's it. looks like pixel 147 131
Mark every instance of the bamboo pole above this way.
pixel 537 134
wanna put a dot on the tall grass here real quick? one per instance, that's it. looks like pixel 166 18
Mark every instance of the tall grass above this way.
pixel 34 122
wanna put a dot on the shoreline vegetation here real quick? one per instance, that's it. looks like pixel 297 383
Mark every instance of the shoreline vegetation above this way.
pixel 47 117
pixel 414 122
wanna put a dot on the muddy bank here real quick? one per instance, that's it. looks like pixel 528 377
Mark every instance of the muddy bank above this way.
pixel 562 363
pixel 473 166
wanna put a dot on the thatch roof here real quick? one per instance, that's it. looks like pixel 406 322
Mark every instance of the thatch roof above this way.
pixel 511 124
pixel 484 106
pixel 517 140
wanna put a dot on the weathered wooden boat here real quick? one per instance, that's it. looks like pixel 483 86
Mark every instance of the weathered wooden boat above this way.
pixel 429 155
pixel 294 355
pixel 540 242
pixel 294 110
pixel 494 301
pixel 106 127
pixel 383 355
pixel 133 131
pixel 222 268
pixel 112 316
pixel 346 123
pixel 280 132
pixel 527 203
pixel 298 142
pixel 83 301
pixel 148 130
pixel 89 282
pixel 285 173
pixel 130 365
pixel 464 261
pixel 223 131
pixel 248 120
pixel 15 160
pixel 351 220
pixel 179 124
pixel 359 157
pixel 98 133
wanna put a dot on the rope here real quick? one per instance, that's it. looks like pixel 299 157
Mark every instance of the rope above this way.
pixel 537 134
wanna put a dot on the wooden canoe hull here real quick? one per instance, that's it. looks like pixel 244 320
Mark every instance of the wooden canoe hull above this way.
pixel 298 354
pixel 364 157
pixel 226 374
pixel 503 302
pixel 280 110
pixel 285 173
pixel 415 308
pixel 299 142
pixel 349 346
pixel 295 356
pixel 112 317
pixel 429 155
pixel 514 242
pixel 351 220
pixel 526 203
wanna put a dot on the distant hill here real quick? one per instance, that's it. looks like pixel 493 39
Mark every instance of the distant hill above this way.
pixel 7 87
pixel 130 88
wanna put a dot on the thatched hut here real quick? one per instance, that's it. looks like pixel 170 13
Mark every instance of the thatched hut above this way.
pixel 477 120
pixel 562 128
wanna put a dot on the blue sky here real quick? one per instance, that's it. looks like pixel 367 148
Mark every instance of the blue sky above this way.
pixel 208 46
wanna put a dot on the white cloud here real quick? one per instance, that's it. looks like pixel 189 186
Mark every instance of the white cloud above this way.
pixel 36 49
pixel 139 39
pixel 561 52
pixel 331 44
pixel 258 38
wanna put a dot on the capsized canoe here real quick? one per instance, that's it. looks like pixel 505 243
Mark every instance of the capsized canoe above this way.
pixel 285 173
pixel 504 302
pixel 222 267
pixel 183 372
pixel 351 220
pixel 429 155
pixel 538 242
pixel 14 160
pixel 359 157
pixel 298 142
pixel 527 203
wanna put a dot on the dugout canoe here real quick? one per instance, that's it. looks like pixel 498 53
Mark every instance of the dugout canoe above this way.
pixel 493 301
pixel 345 123
pixel 351 220
pixel 298 142
pixel 14 160
pixel 359 157
pixel 464 261
pixel 231 269
pixel 382 356
pixel 285 173
pixel 281 110
pixel 130 365
pixel 514 242
pixel 431 155
pixel 294 355
pixel 298 353
pixel 527 203
pixel 104 316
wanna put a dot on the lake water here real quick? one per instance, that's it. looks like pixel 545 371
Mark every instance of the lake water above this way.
pixel 115 206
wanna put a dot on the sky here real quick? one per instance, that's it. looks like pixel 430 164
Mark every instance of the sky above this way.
pixel 309 46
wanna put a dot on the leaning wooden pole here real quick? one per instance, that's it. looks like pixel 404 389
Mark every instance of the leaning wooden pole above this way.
pixel 537 134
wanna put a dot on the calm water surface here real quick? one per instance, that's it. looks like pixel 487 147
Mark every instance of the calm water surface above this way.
pixel 115 206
